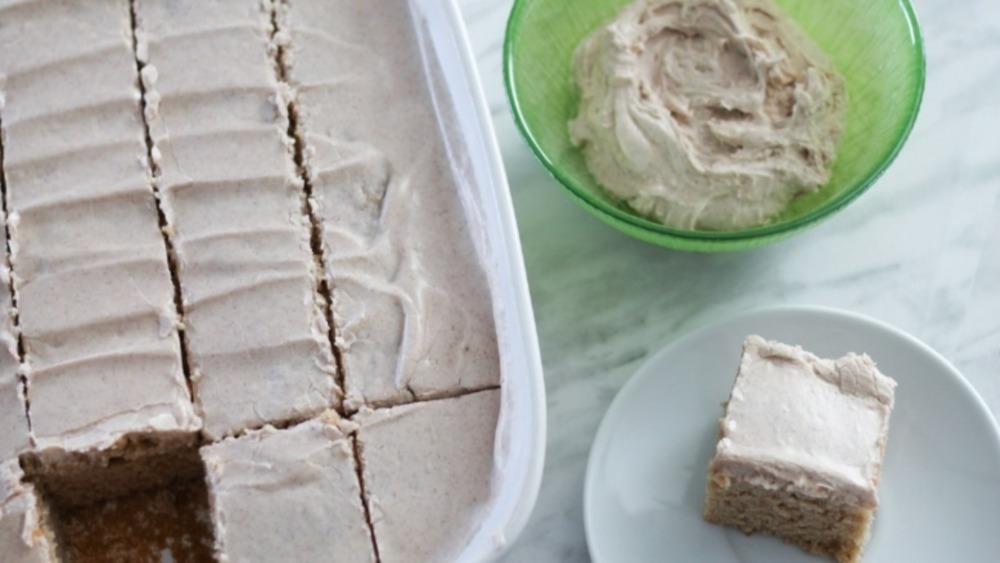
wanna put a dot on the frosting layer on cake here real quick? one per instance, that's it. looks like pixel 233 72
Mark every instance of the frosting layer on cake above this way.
pixel 163 179
pixel 411 303
pixel 427 469
pixel 818 426
pixel 259 349
pixel 13 415
pixel 89 264
pixel 288 495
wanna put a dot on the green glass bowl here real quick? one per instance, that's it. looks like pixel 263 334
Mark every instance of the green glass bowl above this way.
pixel 875 44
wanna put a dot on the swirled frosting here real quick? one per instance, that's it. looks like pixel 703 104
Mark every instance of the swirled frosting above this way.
pixel 706 114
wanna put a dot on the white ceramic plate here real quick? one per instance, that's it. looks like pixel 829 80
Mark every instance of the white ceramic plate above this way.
pixel 940 491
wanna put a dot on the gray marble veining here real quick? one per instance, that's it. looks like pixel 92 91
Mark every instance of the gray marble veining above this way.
pixel 920 250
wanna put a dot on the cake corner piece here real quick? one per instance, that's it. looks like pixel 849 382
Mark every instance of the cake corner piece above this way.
pixel 801 448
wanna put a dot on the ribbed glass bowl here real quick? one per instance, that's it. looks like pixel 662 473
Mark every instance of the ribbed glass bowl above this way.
pixel 875 44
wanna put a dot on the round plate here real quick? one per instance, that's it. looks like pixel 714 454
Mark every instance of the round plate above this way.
pixel 940 491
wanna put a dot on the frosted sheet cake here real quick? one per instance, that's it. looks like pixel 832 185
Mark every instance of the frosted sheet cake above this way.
pixel 233 242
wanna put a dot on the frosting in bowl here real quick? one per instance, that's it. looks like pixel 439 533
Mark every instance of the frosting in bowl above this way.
pixel 706 114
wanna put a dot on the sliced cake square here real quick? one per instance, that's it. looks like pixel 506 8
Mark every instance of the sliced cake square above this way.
pixel 258 342
pixel 801 448
pixel 288 495
pixel 428 470
pixel 410 299
pixel 89 264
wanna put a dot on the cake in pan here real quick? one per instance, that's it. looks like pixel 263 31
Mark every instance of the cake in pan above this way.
pixel 242 314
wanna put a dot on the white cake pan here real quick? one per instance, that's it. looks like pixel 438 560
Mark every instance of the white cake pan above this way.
pixel 475 157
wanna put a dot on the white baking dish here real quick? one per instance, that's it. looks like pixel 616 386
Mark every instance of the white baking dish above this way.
pixel 475 157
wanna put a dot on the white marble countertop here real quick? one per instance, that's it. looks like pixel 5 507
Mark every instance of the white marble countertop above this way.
pixel 920 250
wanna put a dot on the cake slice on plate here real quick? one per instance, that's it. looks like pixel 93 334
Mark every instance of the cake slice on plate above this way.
pixel 801 448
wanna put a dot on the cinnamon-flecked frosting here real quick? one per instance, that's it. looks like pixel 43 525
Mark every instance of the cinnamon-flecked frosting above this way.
pixel 815 425
pixel 410 298
pixel 706 114
pixel 13 412
pixel 428 471
pixel 94 294
pixel 288 495
pixel 91 274
pixel 258 341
